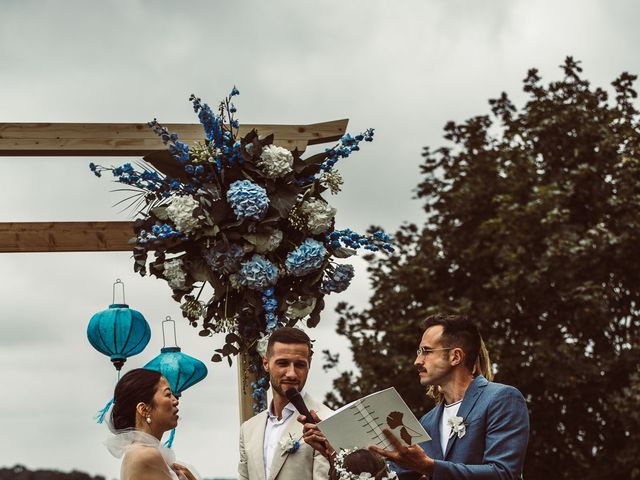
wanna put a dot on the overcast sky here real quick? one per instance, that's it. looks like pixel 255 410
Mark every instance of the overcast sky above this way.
pixel 403 67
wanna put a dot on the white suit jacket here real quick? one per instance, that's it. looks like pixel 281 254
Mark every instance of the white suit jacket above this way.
pixel 304 464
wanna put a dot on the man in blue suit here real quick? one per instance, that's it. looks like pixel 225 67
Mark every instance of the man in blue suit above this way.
pixel 479 430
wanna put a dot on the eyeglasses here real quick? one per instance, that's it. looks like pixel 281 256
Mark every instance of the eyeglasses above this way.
pixel 424 351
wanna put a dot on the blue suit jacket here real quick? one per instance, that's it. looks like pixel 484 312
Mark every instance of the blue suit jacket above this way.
pixel 496 437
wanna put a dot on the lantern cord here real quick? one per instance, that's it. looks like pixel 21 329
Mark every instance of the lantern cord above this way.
pixel 102 413
pixel 169 441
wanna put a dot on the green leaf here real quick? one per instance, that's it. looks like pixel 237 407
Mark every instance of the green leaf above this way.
pixel 284 198
pixel 343 252
pixel 314 318
pixel 160 212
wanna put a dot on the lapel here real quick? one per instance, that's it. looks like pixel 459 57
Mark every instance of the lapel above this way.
pixel 432 426
pixel 470 397
pixel 256 436
pixel 293 428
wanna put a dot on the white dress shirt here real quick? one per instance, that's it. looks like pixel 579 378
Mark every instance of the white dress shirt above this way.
pixel 273 433
pixel 450 411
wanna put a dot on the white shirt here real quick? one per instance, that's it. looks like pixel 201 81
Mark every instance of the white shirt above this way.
pixel 273 433
pixel 450 411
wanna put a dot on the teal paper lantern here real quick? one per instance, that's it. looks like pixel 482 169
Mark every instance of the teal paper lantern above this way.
pixel 181 370
pixel 119 331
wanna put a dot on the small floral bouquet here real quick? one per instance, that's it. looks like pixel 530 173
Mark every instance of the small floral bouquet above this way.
pixel 247 218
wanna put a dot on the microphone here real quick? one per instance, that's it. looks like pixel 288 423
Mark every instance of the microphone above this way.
pixel 294 397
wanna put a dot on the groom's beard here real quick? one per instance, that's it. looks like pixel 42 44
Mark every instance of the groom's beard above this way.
pixel 282 387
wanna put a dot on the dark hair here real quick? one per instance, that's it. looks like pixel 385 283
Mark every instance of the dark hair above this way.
pixel 459 331
pixel 135 386
pixel 289 335
pixel 361 461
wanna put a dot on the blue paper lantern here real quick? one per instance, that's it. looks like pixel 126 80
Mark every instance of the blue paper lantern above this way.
pixel 118 332
pixel 181 370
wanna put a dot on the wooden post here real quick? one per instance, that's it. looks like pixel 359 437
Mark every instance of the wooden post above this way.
pixel 245 379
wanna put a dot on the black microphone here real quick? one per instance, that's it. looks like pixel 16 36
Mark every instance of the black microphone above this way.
pixel 294 397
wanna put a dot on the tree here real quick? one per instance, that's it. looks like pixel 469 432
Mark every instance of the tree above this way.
pixel 532 228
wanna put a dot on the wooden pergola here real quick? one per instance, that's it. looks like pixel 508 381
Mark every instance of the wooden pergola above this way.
pixel 121 139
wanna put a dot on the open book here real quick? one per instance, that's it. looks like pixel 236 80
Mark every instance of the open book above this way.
pixel 360 423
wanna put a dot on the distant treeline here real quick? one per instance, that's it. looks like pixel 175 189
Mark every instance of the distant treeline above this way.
pixel 20 472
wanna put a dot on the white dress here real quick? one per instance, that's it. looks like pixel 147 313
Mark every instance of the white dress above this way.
pixel 133 446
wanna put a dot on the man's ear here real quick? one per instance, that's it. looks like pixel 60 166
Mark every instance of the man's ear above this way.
pixel 457 357
pixel 265 364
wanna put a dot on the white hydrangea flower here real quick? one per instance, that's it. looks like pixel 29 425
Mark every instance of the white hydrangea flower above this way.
pixel 174 273
pixel 180 211
pixel 319 215
pixel 263 343
pixel 275 161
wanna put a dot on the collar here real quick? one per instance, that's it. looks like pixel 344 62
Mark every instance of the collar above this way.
pixel 287 411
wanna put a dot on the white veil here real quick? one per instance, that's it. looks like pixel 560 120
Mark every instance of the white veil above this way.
pixel 123 440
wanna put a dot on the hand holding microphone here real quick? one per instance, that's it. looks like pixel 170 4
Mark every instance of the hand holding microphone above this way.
pixel 294 397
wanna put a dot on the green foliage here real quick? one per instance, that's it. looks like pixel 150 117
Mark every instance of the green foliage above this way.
pixel 532 227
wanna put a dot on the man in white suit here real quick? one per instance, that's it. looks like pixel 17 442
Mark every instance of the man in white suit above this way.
pixel 271 446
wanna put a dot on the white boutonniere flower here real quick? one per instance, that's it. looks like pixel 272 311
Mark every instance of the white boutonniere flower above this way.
pixel 457 427
pixel 289 445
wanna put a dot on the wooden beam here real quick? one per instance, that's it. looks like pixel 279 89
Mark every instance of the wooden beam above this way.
pixel 137 139
pixel 115 139
pixel 66 237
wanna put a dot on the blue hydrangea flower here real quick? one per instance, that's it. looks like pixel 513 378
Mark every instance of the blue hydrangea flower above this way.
pixel 306 258
pixel 338 280
pixel 258 273
pixel 247 199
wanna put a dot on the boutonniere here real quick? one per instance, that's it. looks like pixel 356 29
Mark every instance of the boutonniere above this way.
pixel 289 445
pixel 457 427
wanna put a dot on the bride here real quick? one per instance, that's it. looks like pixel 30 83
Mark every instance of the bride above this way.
pixel 143 409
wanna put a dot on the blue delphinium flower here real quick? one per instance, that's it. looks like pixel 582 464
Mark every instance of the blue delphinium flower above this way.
pixel 247 199
pixel 338 280
pixel 259 395
pixel 347 145
pixel 258 273
pixel 211 123
pixel 272 321
pixel 94 168
pixel 306 258
pixel 270 304
pixel 179 150
pixel 374 242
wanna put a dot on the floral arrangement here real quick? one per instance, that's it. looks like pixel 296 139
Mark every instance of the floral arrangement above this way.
pixel 344 474
pixel 247 218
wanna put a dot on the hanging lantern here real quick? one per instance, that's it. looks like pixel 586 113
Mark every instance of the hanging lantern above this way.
pixel 181 370
pixel 118 331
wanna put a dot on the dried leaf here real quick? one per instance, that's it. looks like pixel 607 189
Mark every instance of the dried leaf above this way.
pixel 405 436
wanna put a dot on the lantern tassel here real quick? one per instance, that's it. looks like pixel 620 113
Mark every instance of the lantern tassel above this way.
pixel 169 441
pixel 101 414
